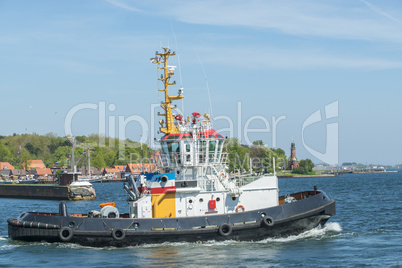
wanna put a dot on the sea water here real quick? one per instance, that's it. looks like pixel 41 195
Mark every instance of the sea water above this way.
pixel 366 231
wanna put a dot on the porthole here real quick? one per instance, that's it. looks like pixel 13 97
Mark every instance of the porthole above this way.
pixel 218 199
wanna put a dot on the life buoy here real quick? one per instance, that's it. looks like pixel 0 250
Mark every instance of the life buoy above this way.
pixel 196 115
pixel 225 229
pixel 118 234
pixel 65 234
pixel 268 221
pixel 240 208
pixel 178 117
pixel 107 204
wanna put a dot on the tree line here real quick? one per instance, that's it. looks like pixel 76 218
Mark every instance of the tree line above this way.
pixel 18 150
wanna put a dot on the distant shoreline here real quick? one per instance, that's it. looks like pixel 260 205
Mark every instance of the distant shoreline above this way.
pixel 305 176
pixel 335 174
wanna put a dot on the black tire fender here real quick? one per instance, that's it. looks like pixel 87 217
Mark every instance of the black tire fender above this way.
pixel 118 234
pixel 66 233
pixel 268 221
pixel 225 229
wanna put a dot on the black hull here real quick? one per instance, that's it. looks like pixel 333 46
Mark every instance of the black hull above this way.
pixel 279 221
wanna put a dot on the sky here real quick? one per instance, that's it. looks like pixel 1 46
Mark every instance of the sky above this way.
pixel 323 74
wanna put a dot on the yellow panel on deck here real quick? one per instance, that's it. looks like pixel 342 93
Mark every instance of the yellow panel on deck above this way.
pixel 163 205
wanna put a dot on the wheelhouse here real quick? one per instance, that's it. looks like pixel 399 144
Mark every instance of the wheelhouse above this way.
pixel 192 149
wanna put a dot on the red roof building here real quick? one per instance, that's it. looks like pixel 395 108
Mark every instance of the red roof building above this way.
pixel 122 168
pixel 136 169
pixel 111 172
pixel 34 164
pixel 6 165
pixel 43 172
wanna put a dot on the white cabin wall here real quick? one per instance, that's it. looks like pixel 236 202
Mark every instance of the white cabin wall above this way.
pixel 260 193
pixel 197 204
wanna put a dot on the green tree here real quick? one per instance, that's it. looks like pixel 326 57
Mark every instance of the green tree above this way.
pixel 5 154
pixel 239 156
pixel 110 158
pixel 258 142
pixel 61 154
pixel 305 166
pixel 25 159
pixel 99 161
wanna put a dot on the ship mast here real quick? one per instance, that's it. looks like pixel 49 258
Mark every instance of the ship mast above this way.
pixel 167 126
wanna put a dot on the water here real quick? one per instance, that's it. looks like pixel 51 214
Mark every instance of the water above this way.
pixel 366 231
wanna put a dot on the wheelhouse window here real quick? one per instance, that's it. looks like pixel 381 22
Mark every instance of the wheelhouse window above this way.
pixel 212 146
pixel 203 148
pixel 174 147
pixel 165 148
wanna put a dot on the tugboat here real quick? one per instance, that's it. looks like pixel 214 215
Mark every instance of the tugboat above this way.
pixel 193 200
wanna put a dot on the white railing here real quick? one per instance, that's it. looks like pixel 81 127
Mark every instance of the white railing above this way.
pixel 174 160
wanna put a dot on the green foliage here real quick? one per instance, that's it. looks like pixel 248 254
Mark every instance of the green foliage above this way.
pixel 305 167
pixel 349 163
pixel 261 156
pixel 5 154
pixel 58 172
pixel 259 143
pixel 99 161
pixel 50 148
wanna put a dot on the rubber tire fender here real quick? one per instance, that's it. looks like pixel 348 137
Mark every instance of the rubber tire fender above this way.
pixel 268 221
pixel 62 234
pixel 118 234
pixel 225 229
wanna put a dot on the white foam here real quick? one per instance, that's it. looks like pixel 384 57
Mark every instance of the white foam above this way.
pixel 7 247
pixel 316 233
pixel 333 226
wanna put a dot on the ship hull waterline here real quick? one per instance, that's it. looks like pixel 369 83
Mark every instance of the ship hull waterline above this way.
pixel 279 221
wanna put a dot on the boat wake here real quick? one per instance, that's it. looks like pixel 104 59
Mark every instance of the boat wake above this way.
pixel 329 230
pixel 318 233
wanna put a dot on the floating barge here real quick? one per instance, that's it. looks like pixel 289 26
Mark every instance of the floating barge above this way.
pixel 66 190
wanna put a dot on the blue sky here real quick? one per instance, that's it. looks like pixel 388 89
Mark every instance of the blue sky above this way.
pixel 271 58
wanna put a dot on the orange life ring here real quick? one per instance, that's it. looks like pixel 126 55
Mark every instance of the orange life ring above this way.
pixel 178 117
pixel 240 208
pixel 107 204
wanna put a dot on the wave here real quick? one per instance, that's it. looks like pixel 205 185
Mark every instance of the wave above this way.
pixel 329 230
pixel 317 233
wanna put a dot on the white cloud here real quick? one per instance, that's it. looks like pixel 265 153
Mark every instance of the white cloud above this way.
pixel 381 12
pixel 123 5
pixel 335 19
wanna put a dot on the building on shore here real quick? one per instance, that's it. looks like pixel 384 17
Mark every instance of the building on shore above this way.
pixel 293 163
pixel 34 164
pixel 141 168
pixel 6 166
